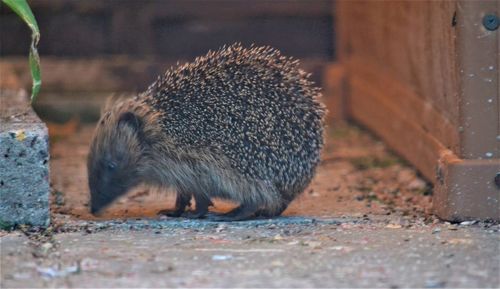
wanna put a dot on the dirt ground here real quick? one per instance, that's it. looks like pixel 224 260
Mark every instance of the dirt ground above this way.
pixel 357 176
pixel 365 221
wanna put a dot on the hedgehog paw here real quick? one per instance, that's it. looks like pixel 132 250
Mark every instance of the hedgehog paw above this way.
pixel 239 214
pixel 194 215
pixel 170 213
pixel 268 214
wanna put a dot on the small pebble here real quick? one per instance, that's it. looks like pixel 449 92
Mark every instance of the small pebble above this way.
pixel 314 194
pixel 221 257
pixel 277 263
pixel 468 223
pixel 434 284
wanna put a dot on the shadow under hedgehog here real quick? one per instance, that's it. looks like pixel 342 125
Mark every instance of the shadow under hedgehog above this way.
pixel 241 124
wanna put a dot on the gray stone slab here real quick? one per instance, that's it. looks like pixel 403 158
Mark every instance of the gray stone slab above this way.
pixel 278 253
pixel 24 162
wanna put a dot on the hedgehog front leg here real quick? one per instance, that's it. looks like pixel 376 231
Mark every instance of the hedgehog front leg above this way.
pixel 181 202
pixel 202 204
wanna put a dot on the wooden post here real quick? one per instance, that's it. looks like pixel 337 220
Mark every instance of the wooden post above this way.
pixel 466 185
pixel 423 75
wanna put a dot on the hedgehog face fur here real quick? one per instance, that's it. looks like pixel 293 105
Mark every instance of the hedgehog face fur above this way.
pixel 241 124
pixel 114 158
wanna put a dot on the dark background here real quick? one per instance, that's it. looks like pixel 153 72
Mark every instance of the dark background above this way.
pixel 176 29
pixel 90 49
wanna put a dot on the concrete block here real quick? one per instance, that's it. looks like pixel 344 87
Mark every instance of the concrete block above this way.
pixel 24 162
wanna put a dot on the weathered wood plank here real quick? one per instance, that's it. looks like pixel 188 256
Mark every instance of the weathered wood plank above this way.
pixel 403 98
pixel 80 86
pixel 198 8
pixel 370 105
pixel 424 76
pixel 478 63
pixel 414 41
pixel 334 93
pixel 105 74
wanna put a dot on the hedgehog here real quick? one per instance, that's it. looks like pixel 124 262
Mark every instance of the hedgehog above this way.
pixel 238 124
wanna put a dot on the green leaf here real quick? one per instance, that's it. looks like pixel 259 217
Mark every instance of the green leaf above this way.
pixel 36 74
pixel 23 10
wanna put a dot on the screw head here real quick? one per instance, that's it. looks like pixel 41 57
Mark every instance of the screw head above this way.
pixel 491 22
pixel 497 180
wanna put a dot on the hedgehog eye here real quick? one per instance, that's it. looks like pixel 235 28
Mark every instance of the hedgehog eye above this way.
pixel 111 166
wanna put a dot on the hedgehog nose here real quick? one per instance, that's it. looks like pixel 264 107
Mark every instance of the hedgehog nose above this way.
pixel 94 210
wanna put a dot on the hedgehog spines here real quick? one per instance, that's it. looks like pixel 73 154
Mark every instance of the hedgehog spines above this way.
pixel 252 105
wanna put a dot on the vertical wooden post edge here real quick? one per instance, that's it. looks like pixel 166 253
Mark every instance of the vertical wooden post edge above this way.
pixel 465 186
pixel 466 189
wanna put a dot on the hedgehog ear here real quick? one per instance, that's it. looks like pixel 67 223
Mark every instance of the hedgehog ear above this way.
pixel 130 120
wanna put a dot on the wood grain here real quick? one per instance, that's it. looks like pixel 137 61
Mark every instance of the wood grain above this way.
pixel 423 75
pixel 413 41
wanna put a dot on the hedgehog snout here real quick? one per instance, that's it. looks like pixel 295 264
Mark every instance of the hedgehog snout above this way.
pixel 102 195
pixel 99 200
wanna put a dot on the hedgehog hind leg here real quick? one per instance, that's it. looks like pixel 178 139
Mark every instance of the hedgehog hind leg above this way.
pixel 265 213
pixel 276 211
pixel 243 212
pixel 181 202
